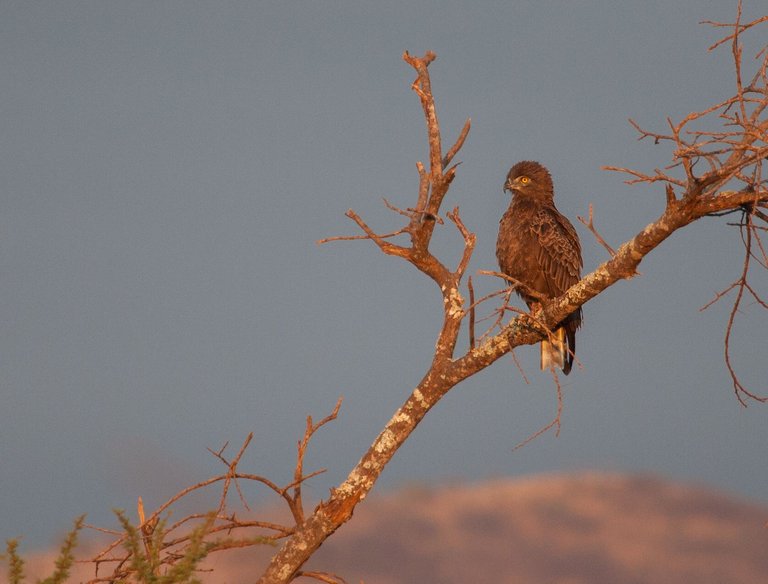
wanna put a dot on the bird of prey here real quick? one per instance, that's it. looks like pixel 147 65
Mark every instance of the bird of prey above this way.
pixel 539 248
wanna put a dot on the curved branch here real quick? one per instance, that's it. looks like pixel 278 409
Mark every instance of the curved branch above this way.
pixel 742 159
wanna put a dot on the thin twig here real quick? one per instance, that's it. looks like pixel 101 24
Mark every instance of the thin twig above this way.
pixel 296 504
pixel 517 285
pixel 358 237
pixel 173 540
pixel 519 367
pixel 459 143
pixel 469 241
pixel 326 577
pixel 591 226
pixel 555 423
pixel 471 326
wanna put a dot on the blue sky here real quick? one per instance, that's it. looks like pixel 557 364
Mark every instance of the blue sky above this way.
pixel 167 168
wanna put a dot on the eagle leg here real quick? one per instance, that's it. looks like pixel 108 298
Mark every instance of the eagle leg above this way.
pixel 554 351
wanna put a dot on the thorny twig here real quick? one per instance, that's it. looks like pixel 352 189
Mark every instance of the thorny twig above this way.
pixel 251 532
pixel 733 154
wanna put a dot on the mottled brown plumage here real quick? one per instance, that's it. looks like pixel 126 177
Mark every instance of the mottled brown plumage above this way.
pixel 538 247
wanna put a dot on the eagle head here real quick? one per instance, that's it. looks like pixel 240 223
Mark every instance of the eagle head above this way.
pixel 530 178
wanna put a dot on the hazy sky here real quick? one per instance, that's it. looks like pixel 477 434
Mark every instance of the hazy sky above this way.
pixel 168 166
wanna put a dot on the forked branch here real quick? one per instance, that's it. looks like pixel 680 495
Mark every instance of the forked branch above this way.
pixel 731 155
pixel 166 545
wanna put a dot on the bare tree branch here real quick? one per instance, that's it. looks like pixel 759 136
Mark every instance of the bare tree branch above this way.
pixel 168 544
pixel 715 169
pixel 735 154
pixel 732 155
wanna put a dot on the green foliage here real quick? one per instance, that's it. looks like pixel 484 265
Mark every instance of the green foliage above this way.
pixel 145 562
pixel 15 563
pixel 66 555
pixel 193 555
pixel 145 553
pixel 63 563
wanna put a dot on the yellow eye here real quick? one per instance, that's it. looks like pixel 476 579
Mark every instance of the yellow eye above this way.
pixel 524 180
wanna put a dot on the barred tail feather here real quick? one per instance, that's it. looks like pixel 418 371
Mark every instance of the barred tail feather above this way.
pixel 554 352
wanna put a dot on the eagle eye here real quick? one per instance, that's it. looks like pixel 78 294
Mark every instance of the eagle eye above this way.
pixel 524 180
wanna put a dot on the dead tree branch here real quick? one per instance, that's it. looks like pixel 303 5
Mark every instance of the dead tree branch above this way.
pixel 733 153
pixel 730 137
pixel 169 543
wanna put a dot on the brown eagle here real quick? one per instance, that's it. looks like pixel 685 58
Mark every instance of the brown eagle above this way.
pixel 540 249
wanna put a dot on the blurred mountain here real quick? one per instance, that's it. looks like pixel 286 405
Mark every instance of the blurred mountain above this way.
pixel 592 528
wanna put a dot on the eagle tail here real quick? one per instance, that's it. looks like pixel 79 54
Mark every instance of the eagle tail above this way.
pixel 554 352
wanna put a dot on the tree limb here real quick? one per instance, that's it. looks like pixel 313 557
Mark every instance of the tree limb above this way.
pixel 730 156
